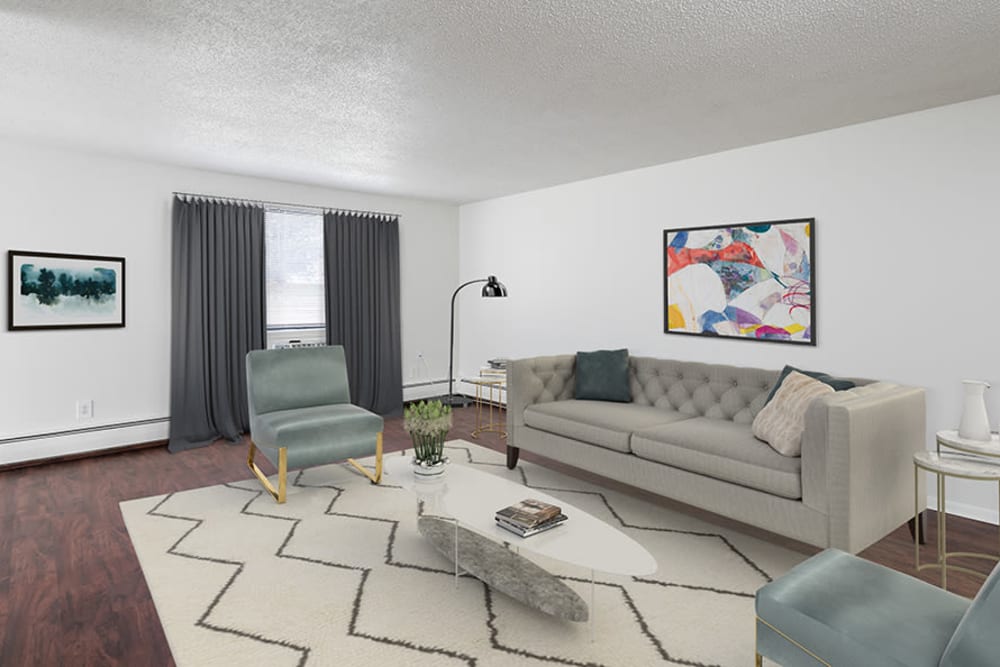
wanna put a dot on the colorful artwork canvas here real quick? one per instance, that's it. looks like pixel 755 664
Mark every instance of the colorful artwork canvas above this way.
pixel 54 290
pixel 753 281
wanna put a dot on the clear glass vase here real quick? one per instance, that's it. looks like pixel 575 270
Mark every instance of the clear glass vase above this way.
pixel 428 453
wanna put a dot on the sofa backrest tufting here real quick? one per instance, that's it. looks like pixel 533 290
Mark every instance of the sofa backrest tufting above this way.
pixel 716 391
pixel 701 390
pixel 549 378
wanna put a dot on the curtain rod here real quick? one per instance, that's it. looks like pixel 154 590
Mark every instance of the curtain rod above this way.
pixel 264 202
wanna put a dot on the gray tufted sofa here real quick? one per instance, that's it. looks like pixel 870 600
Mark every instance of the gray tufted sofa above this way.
pixel 686 435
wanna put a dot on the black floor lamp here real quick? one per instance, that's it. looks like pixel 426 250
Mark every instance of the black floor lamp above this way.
pixel 492 288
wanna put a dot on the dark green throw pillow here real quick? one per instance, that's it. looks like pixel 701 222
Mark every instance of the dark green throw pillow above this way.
pixel 838 384
pixel 602 376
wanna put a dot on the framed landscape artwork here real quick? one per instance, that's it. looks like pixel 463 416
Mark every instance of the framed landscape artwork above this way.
pixel 48 290
pixel 752 281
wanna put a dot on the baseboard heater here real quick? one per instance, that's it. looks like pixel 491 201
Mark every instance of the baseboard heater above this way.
pixel 145 422
pixel 87 429
pixel 428 383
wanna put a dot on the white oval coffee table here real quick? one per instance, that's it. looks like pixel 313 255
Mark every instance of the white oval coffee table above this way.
pixel 470 498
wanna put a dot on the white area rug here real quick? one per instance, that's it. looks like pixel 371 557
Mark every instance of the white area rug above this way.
pixel 339 575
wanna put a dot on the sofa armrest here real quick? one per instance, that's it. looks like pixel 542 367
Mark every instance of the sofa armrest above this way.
pixel 536 380
pixel 857 461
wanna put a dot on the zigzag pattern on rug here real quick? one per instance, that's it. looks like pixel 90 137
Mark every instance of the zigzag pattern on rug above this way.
pixel 636 595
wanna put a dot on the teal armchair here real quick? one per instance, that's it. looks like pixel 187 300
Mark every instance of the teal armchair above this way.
pixel 836 609
pixel 301 414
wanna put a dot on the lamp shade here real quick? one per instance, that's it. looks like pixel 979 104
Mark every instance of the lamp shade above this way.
pixel 493 287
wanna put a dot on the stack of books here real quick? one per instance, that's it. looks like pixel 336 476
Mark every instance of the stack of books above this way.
pixel 529 517
pixel 497 369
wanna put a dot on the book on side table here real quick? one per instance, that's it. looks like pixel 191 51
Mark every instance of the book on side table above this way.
pixel 529 517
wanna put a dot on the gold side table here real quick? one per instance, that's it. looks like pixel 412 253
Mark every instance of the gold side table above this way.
pixel 488 405
pixel 971 460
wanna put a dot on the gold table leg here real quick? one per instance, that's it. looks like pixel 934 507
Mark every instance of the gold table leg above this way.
pixel 942 541
pixel 488 404
pixel 916 516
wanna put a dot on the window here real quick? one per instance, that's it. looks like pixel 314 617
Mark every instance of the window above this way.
pixel 294 269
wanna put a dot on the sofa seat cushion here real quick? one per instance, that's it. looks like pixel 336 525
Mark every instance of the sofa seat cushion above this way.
pixel 600 423
pixel 721 449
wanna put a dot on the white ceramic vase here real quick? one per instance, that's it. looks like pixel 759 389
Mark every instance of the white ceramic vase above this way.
pixel 975 424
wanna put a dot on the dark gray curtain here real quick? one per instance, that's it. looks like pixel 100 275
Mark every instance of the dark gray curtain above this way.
pixel 217 317
pixel 362 305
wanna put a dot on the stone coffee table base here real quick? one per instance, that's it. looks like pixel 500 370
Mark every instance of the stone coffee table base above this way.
pixel 504 570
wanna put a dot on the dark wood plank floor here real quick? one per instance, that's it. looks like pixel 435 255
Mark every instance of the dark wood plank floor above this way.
pixel 72 593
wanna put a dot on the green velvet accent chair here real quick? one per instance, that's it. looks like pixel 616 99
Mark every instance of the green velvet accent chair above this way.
pixel 837 609
pixel 301 414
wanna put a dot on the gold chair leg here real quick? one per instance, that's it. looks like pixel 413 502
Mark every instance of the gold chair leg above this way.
pixel 279 493
pixel 760 661
pixel 377 477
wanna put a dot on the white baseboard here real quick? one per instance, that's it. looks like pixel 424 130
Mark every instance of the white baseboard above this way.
pixel 437 388
pixel 968 511
pixel 66 443
pixel 425 390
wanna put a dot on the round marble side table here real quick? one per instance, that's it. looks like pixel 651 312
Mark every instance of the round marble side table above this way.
pixel 970 460
pixel 951 440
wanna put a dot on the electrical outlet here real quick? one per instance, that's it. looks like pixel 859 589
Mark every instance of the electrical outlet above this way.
pixel 85 409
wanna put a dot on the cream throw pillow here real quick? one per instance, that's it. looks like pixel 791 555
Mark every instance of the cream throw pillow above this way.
pixel 781 422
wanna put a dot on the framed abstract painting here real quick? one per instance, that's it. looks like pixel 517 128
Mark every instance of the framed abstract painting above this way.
pixel 751 281
pixel 47 290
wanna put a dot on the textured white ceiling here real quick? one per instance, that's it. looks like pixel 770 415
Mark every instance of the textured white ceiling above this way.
pixel 465 100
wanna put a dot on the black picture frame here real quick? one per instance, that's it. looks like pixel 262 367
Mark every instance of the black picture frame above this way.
pixel 77 292
pixel 734 256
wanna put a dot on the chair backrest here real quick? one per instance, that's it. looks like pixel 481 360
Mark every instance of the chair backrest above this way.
pixel 296 378
pixel 976 642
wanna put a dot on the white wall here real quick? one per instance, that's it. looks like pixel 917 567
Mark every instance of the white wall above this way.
pixel 907 236
pixel 59 200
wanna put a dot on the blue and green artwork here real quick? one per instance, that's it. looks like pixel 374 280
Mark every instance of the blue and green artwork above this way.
pixel 52 286
pixel 57 290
